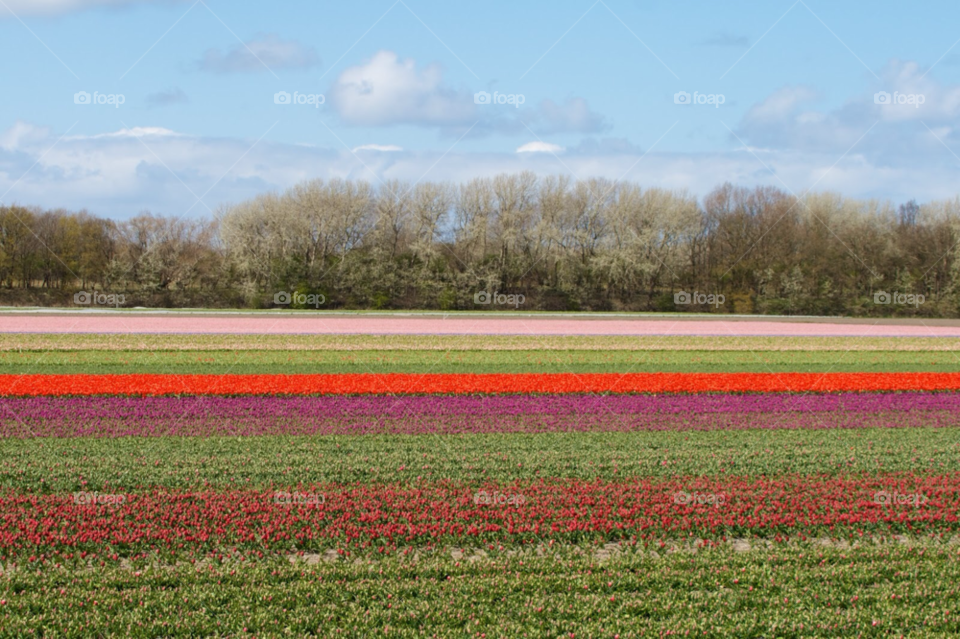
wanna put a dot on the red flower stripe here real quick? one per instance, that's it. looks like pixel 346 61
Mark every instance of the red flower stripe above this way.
pixel 27 385
pixel 395 516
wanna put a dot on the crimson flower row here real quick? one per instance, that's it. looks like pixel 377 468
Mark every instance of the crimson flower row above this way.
pixel 395 516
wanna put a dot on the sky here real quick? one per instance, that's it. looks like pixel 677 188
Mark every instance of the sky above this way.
pixel 180 107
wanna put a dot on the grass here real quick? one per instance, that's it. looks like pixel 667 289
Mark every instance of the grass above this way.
pixel 61 465
pixel 506 361
pixel 804 590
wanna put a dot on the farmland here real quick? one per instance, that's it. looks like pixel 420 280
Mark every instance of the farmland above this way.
pixel 489 361
pixel 802 590
pixel 470 485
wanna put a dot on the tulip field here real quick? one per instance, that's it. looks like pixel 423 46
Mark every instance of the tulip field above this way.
pixel 521 478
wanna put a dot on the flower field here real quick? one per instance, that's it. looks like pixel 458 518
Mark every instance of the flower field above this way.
pixel 286 323
pixel 458 384
pixel 205 416
pixel 159 484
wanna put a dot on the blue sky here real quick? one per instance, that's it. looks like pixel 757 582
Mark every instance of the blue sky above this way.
pixel 199 125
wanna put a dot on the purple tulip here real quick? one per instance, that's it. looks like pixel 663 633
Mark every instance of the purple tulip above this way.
pixel 205 416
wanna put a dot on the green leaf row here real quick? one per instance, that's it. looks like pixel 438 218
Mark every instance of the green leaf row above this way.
pixel 65 465
pixel 216 362
pixel 785 590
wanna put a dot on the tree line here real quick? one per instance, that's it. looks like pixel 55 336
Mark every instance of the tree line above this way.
pixel 561 244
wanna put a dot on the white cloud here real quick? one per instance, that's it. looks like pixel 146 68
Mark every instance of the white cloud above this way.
pixel 260 54
pixel 540 147
pixel 940 102
pixel 22 134
pixel 133 132
pixel 123 172
pixel 781 104
pixel 387 91
pixel 385 148
pixel 886 134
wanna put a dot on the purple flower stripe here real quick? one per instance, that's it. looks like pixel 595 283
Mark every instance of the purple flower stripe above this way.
pixel 205 416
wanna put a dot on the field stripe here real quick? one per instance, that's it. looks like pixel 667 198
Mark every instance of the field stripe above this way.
pixel 330 516
pixel 454 325
pixel 398 383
